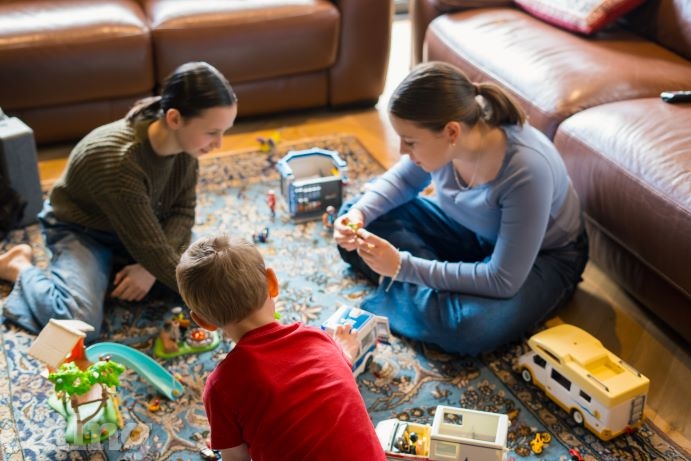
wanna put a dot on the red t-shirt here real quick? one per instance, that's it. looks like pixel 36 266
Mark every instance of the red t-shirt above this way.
pixel 288 392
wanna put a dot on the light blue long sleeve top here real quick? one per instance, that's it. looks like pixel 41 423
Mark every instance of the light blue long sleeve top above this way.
pixel 530 206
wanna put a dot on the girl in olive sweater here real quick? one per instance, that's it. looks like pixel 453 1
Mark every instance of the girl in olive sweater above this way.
pixel 123 210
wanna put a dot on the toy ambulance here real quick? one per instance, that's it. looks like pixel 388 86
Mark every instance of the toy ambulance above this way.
pixel 456 434
pixel 598 389
pixel 369 328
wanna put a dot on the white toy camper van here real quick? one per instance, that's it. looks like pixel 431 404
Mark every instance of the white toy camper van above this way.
pixel 598 389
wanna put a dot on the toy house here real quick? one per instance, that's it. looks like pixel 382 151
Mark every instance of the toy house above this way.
pixel 456 434
pixel 60 341
pixel 312 180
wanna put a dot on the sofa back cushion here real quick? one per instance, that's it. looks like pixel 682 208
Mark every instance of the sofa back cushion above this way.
pixel 668 22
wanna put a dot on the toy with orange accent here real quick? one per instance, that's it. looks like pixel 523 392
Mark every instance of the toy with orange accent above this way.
pixel 539 441
pixel 85 392
pixel 271 201
pixel 456 434
pixel 598 389
pixel 179 337
pixel 329 217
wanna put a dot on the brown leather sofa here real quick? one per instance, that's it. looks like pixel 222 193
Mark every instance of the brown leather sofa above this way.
pixel 67 66
pixel 598 98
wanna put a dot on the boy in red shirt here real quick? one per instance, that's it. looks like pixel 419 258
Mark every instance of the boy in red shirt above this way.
pixel 284 392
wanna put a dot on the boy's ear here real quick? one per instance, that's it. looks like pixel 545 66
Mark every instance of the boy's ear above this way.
pixel 202 322
pixel 272 282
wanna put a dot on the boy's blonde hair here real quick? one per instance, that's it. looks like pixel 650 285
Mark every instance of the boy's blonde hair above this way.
pixel 222 279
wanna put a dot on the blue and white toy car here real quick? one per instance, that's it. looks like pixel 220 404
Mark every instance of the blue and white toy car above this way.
pixel 369 328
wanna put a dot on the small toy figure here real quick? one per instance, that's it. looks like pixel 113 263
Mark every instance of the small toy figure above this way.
pixel 271 201
pixel 170 335
pixel 329 217
pixel 179 316
pixel 154 405
pixel 262 236
pixel 540 440
pixel 209 454
pixel 575 454
pixel 269 143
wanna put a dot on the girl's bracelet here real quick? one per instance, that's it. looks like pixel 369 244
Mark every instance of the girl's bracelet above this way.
pixel 393 277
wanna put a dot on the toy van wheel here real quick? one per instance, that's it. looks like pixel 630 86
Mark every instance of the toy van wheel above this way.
pixel 368 363
pixel 577 417
pixel 526 375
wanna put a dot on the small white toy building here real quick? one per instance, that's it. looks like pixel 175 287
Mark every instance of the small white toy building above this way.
pixel 60 341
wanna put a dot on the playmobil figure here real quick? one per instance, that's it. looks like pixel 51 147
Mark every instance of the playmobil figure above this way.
pixel 154 405
pixel 271 201
pixel 456 434
pixel 597 388
pixel 170 336
pixel 575 455
pixel 293 377
pixel 539 441
pixel 262 236
pixel 269 143
pixel 329 217
pixel 123 210
pixel 501 244
pixel 180 317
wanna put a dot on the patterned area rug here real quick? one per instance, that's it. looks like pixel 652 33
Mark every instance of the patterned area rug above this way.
pixel 407 379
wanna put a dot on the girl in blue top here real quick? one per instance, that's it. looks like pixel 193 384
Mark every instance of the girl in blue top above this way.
pixel 497 247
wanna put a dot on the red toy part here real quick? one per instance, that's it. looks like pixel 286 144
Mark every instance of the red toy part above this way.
pixel 575 455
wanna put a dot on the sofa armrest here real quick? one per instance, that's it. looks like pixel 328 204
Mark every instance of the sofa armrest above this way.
pixel 422 12
pixel 359 74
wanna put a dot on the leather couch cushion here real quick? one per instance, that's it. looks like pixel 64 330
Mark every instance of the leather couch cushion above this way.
pixel 634 179
pixel 246 40
pixel 43 42
pixel 554 73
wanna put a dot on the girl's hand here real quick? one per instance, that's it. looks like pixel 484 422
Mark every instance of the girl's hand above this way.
pixel 346 226
pixel 132 283
pixel 380 255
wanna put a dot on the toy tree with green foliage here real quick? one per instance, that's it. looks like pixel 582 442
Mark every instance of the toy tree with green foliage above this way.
pixel 71 381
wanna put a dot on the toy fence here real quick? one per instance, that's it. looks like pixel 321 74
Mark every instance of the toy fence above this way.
pixel 312 180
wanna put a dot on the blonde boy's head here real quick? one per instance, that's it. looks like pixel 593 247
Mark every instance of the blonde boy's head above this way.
pixel 222 279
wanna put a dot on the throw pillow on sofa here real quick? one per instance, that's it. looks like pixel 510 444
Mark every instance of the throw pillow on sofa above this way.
pixel 583 16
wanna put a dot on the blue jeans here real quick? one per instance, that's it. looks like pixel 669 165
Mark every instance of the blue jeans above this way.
pixel 76 282
pixel 458 322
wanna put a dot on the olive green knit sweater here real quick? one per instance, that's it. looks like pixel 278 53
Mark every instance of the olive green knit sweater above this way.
pixel 115 182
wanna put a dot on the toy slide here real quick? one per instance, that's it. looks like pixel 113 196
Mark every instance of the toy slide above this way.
pixel 140 363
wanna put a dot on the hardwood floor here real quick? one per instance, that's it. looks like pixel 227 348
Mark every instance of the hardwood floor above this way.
pixel 599 306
